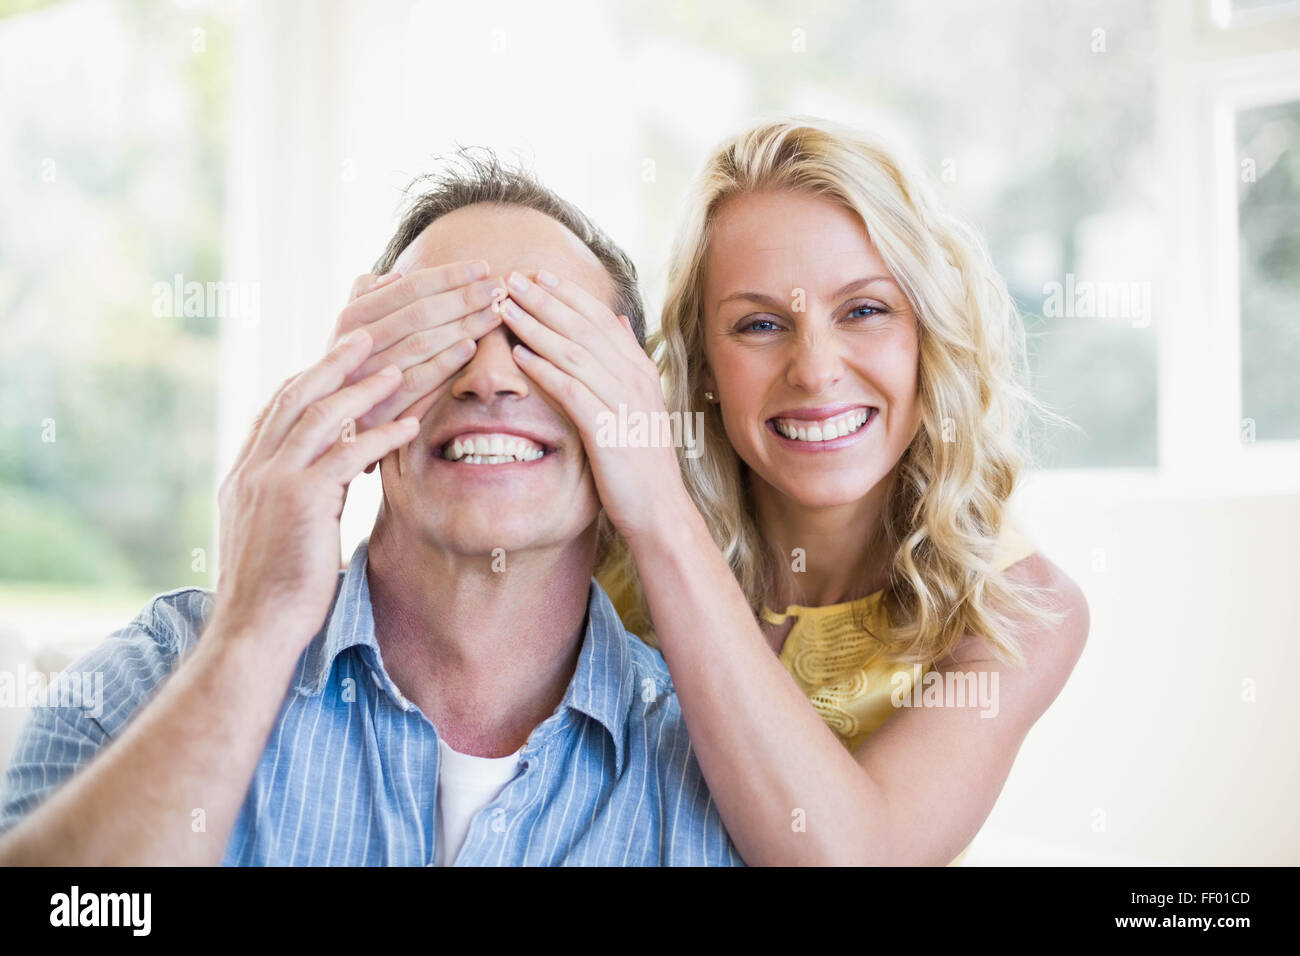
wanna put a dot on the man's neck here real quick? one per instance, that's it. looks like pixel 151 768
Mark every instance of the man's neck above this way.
pixel 485 650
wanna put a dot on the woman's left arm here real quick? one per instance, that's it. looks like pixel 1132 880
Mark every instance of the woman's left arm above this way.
pixel 786 789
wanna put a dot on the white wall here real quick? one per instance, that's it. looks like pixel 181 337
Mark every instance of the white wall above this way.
pixel 1152 753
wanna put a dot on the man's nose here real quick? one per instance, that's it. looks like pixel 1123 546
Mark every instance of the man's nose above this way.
pixel 492 372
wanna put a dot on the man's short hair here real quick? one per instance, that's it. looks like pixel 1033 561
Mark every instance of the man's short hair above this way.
pixel 473 176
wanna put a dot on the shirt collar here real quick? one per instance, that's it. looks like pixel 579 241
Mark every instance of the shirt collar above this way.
pixel 602 685
pixel 351 623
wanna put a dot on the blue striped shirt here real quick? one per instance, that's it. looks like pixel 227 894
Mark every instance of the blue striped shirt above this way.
pixel 349 774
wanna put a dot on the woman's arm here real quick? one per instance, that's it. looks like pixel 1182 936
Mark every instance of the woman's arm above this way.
pixel 787 790
pixel 915 793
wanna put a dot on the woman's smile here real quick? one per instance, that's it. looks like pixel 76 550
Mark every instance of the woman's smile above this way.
pixel 813 431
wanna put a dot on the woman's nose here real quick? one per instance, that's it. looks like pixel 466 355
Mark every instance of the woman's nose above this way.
pixel 815 363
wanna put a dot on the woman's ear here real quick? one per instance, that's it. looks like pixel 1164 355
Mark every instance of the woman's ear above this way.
pixel 708 385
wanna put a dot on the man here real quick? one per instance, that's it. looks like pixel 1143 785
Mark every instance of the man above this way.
pixel 464 691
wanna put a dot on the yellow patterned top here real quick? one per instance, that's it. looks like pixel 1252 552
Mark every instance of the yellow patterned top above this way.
pixel 830 654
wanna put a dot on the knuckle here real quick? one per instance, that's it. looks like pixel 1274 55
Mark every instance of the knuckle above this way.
pixel 421 314
pixel 290 396
pixel 361 283
pixel 422 342
pixel 410 379
pixel 347 320
pixel 315 415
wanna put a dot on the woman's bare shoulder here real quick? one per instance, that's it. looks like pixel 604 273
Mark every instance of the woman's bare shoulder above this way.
pixel 1050 650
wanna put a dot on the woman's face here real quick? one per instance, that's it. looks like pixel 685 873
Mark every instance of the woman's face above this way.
pixel 811 347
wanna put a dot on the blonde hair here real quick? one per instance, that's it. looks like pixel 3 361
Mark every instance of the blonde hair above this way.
pixel 949 501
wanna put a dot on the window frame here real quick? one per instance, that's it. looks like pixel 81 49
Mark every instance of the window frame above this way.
pixel 1206 74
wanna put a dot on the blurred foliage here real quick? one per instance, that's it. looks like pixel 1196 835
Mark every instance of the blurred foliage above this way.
pixel 124 492
pixel 1268 213
pixel 9 8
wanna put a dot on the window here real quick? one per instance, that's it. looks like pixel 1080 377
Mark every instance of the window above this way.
pixel 1268 216
pixel 113 135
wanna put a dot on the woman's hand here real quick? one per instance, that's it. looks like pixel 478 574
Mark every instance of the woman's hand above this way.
pixel 588 361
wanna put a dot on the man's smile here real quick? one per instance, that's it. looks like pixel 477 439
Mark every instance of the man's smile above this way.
pixel 491 448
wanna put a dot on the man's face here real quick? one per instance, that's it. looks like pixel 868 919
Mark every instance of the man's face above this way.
pixel 469 506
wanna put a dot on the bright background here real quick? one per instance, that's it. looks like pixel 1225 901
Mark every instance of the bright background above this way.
pixel 1153 145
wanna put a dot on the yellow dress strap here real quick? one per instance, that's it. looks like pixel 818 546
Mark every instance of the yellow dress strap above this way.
pixel 773 618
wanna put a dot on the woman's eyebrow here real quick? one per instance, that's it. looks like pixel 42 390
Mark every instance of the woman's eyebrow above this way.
pixel 758 297
pixel 775 303
pixel 859 283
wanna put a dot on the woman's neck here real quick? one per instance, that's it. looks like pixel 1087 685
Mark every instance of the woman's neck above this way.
pixel 841 554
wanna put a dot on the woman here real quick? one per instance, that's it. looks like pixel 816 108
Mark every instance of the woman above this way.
pixel 843 537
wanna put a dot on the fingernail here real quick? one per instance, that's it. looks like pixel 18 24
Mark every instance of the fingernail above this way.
pixel 523 352
pixel 390 371
pixel 478 269
pixel 385 279
pixel 356 337
pixel 509 308
pixel 464 348
pixel 517 282
pixel 548 279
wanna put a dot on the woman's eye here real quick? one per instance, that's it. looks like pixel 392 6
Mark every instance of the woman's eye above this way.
pixel 865 311
pixel 759 325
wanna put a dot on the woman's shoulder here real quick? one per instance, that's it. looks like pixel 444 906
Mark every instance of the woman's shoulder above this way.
pixel 1050 648
pixel 1013 546
pixel 1019 556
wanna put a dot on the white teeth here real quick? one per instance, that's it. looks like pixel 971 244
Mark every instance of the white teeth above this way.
pixel 826 430
pixel 491 450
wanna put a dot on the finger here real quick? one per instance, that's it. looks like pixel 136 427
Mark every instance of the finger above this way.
pixel 421 385
pixel 319 380
pixel 325 419
pixel 362 285
pixel 432 311
pixel 414 286
pixel 369 282
pixel 258 421
pixel 579 403
pixel 562 351
pixel 426 343
pixel 345 460
pixel 583 303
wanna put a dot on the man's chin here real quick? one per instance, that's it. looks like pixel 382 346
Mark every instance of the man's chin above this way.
pixel 494 537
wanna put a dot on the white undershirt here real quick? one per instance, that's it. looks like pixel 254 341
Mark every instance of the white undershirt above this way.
pixel 466 784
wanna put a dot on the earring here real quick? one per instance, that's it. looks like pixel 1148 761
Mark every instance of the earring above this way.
pixel 708 396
